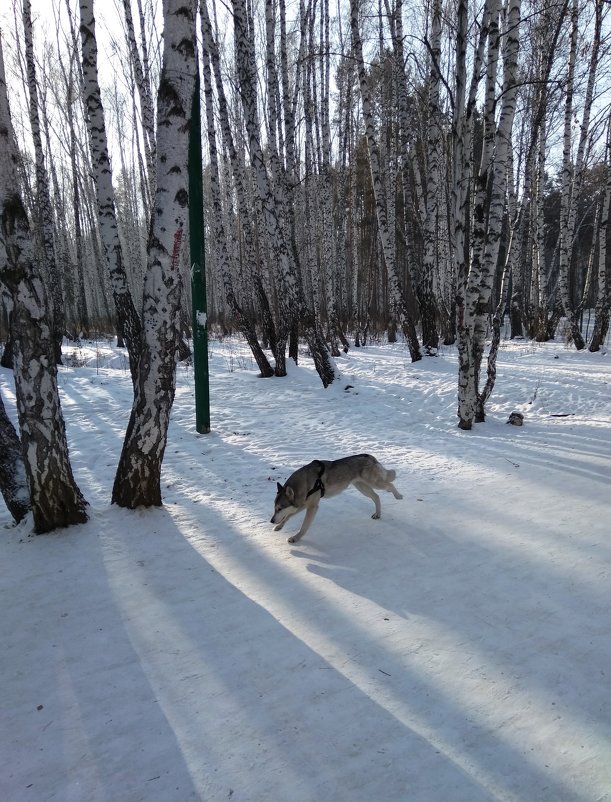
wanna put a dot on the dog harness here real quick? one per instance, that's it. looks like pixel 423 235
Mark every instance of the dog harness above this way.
pixel 318 485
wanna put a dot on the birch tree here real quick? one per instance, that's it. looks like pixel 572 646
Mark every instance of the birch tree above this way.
pixel 498 189
pixel 572 174
pixel 55 497
pixel 67 97
pixel 141 71
pixel 286 261
pixel 219 236
pixel 430 336
pixel 128 322
pixel 462 141
pixel 13 480
pixel 138 478
pixel 477 258
pixel 603 296
pixel 247 234
pixel 330 246
pixel 45 225
pixel 386 236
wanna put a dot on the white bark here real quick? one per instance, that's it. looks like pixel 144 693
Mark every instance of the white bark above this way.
pixel 603 297
pixel 385 235
pixel 13 478
pixel 539 261
pixel 137 482
pixel 489 205
pixel 462 134
pixel 572 174
pixel 430 337
pixel 498 199
pixel 219 238
pixel 127 317
pixel 43 195
pixel 144 93
pixel 55 497
pixel 290 286
pixel 247 218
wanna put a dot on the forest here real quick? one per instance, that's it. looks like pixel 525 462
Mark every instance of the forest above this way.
pixel 434 174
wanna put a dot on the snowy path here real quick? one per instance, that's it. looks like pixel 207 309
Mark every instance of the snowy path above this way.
pixel 456 650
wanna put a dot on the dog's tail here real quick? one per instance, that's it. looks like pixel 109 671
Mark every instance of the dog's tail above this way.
pixel 391 475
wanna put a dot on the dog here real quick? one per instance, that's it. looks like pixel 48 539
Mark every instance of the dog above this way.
pixel 304 489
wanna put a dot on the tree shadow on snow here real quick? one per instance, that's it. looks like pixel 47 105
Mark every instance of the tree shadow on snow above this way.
pixel 259 712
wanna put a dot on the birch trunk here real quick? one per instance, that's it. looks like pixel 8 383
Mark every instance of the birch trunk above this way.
pixel 539 261
pixel 44 211
pixel 138 478
pixel 462 135
pixel 82 310
pixel 385 235
pixel 144 93
pixel 603 297
pixel 477 295
pixel 572 175
pixel 426 297
pixel 498 194
pixel 128 322
pixel 286 262
pixel 55 497
pixel 218 229
pixel 248 234
pixel 328 239
pixel 413 211
pixel 67 95
pixel 547 31
pixel 13 479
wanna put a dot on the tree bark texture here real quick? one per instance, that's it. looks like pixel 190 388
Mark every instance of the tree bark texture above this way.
pixel 386 236
pixel 45 222
pixel 138 478
pixel 128 321
pixel 603 296
pixel 217 227
pixel 290 288
pixel 13 479
pixel 55 497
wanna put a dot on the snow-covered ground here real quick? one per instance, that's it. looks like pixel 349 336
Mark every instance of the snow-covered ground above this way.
pixel 457 650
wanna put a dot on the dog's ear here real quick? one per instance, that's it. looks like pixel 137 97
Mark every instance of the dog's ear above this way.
pixel 290 494
pixel 279 486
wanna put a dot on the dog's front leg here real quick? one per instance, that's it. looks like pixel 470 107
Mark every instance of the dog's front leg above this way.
pixel 307 521
pixel 279 526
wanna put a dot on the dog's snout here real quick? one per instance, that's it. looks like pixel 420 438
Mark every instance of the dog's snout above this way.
pixel 272 518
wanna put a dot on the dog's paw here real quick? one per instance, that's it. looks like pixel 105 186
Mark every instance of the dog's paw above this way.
pixel 278 527
pixel 293 539
pixel 376 515
pixel 398 496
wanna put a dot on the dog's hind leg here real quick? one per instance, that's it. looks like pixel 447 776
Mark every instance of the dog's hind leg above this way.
pixel 368 491
pixel 392 489
pixel 307 521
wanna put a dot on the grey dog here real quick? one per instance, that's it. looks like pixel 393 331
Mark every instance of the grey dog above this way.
pixel 325 478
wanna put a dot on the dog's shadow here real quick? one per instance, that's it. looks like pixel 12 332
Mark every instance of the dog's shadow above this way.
pixel 373 566
pixel 421 570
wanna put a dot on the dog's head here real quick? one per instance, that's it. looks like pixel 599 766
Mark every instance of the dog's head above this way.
pixel 284 504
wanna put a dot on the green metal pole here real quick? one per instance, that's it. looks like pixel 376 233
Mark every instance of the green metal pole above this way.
pixel 198 275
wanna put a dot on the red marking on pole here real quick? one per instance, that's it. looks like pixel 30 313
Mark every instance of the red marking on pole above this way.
pixel 176 250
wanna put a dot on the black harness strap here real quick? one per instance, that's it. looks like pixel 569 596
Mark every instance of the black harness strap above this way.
pixel 318 485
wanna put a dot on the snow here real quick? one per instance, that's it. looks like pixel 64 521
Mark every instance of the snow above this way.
pixel 457 649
